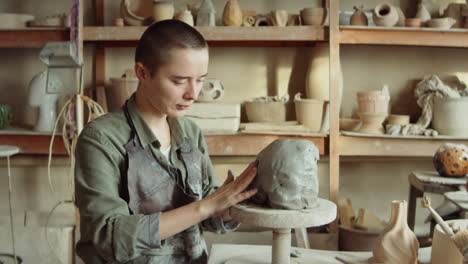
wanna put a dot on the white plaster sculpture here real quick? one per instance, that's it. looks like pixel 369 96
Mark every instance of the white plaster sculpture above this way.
pixel 397 243
pixel 212 90
pixel 46 102
pixel 287 175
pixel 206 15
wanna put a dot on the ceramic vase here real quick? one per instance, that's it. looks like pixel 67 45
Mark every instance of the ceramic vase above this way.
pixel 162 10
pixel 185 16
pixel 423 14
pixel 206 14
pixel 448 118
pixel 359 18
pixel 371 123
pixel 385 15
pixel 279 18
pixel 232 15
pixel 397 243
pixel 136 12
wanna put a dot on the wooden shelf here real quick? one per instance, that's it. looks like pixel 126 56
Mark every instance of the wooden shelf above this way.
pixel 31 142
pixel 404 36
pixel 250 145
pixel 392 147
pixel 32 37
pixel 218 35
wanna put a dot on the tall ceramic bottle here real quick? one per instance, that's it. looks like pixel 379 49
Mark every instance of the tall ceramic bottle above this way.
pixel 318 79
pixel 397 243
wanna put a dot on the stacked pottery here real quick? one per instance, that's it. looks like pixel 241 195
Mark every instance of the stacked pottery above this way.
pixel 373 109
pixel 314 16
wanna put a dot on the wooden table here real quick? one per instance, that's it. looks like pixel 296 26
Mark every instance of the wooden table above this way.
pixel 255 254
pixel 428 181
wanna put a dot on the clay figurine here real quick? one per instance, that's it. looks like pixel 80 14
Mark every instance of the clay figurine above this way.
pixel 287 175
pixel 206 15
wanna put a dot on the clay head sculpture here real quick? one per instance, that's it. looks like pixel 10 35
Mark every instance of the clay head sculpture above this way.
pixel 287 175
pixel 451 160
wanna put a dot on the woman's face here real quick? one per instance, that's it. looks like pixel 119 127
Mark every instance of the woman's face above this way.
pixel 174 86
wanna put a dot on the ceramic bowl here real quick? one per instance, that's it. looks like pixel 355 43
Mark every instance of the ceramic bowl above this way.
pixel 413 22
pixel 309 112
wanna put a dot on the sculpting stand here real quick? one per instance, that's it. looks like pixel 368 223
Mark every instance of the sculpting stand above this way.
pixel 281 222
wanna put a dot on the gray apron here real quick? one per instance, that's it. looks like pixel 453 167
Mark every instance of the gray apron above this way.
pixel 154 186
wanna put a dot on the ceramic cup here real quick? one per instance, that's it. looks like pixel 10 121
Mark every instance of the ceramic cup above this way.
pixel 162 10
pixel 413 22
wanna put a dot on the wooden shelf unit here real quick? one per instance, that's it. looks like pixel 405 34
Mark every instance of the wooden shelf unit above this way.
pixel 34 144
pixel 358 35
pixel 32 37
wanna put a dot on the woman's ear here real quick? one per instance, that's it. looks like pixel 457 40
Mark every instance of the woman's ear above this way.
pixel 141 71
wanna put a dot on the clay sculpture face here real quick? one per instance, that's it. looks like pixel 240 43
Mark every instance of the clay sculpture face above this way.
pixel 451 160
pixel 287 175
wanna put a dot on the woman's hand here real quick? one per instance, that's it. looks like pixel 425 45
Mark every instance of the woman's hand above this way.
pixel 231 192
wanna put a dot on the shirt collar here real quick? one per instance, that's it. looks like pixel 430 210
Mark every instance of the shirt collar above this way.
pixel 144 132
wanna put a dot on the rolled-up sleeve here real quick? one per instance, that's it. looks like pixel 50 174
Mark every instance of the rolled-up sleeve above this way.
pixel 105 220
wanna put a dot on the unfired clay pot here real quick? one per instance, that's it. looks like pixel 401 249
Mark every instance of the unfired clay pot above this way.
pixel 232 15
pixel 265 111
pixel 279 18
pixel 162 10
pixel 385 15
pixel 442 23
pixel 449 116
pixel 314 16
pixel 413 22
pixel 371 123
pixel 309 112
pixel 423 14
pixel 397 243
pixel 373 102
pixel 444 251
pixel 350 124
pixel 359 18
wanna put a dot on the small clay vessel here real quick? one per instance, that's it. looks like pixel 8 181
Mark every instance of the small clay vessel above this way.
pixel 279 18
pixel 162 10
pixel 232 15
pixel 185 16
pixel 385 15
pixel 441 23
pixel 423 14
pixel 359 18
pixel 413 22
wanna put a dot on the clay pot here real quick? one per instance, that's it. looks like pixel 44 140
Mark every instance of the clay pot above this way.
pixel 185 16
pixel 423 14
pixel 398 120
pixel 371 123
pixel 314 16
pixel 206 14
pixel 162 10
pixel 136 12
pixel 359 18
pixel 444 251
pixel 212 90
pixel 309 112
pixel 119 22
pixel 265 111
pixel 318 72
pixel 279 18
pixel 119 91
pixel 449 116
pixel 397 243
pixel 385 15
pixel 413 22
pixel 441 23
pixel 401 17
pixel 373 102
pixel 232 15
pixel 350 124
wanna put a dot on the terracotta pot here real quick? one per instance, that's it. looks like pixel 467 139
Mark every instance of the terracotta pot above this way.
pixel 397 243
pixel 449 116
pixel 413 22
pixel 162 10
pixel 442 23
pixel 232 15
pixel 314 16
pixel 119 91
pixel 318 72
pixel 371 123
pixel 265 111
pixel 398 120
pixel 423 14
pixel 351 239
pixel 359 18
pixel 373 102
pixel 444 251
pixel 385 15
pixel 309 112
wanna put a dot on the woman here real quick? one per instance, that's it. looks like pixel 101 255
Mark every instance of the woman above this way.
pixel 144 182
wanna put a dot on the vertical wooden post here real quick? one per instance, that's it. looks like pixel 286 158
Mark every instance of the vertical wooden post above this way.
pixel 99 56
pixel 334 44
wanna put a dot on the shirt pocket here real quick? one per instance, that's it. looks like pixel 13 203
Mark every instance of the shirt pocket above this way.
pixel 196 172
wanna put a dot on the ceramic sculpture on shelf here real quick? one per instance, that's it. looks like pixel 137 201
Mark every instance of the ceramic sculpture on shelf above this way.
pixel 136 12
pixel 455 11
pixel 385 15
pixel 451 160
pixel 162 10
pixel 423 14
pixel 437 7
pixel 38 96
pixel 279 18
pixel 359 18
pixel 397 243
pixel 212 90
pixel 287 175
pixel 232 15
pixel 185 16
pixel 206 15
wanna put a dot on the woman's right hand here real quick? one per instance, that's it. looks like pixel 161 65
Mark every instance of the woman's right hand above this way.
pixel 232 191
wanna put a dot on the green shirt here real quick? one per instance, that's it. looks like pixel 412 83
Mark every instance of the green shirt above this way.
pixel 109 232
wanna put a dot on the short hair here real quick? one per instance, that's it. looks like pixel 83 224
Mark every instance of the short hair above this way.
pixel 154 46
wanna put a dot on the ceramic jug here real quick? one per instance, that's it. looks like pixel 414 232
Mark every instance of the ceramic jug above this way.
pixel 385 15
pixel 359 18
